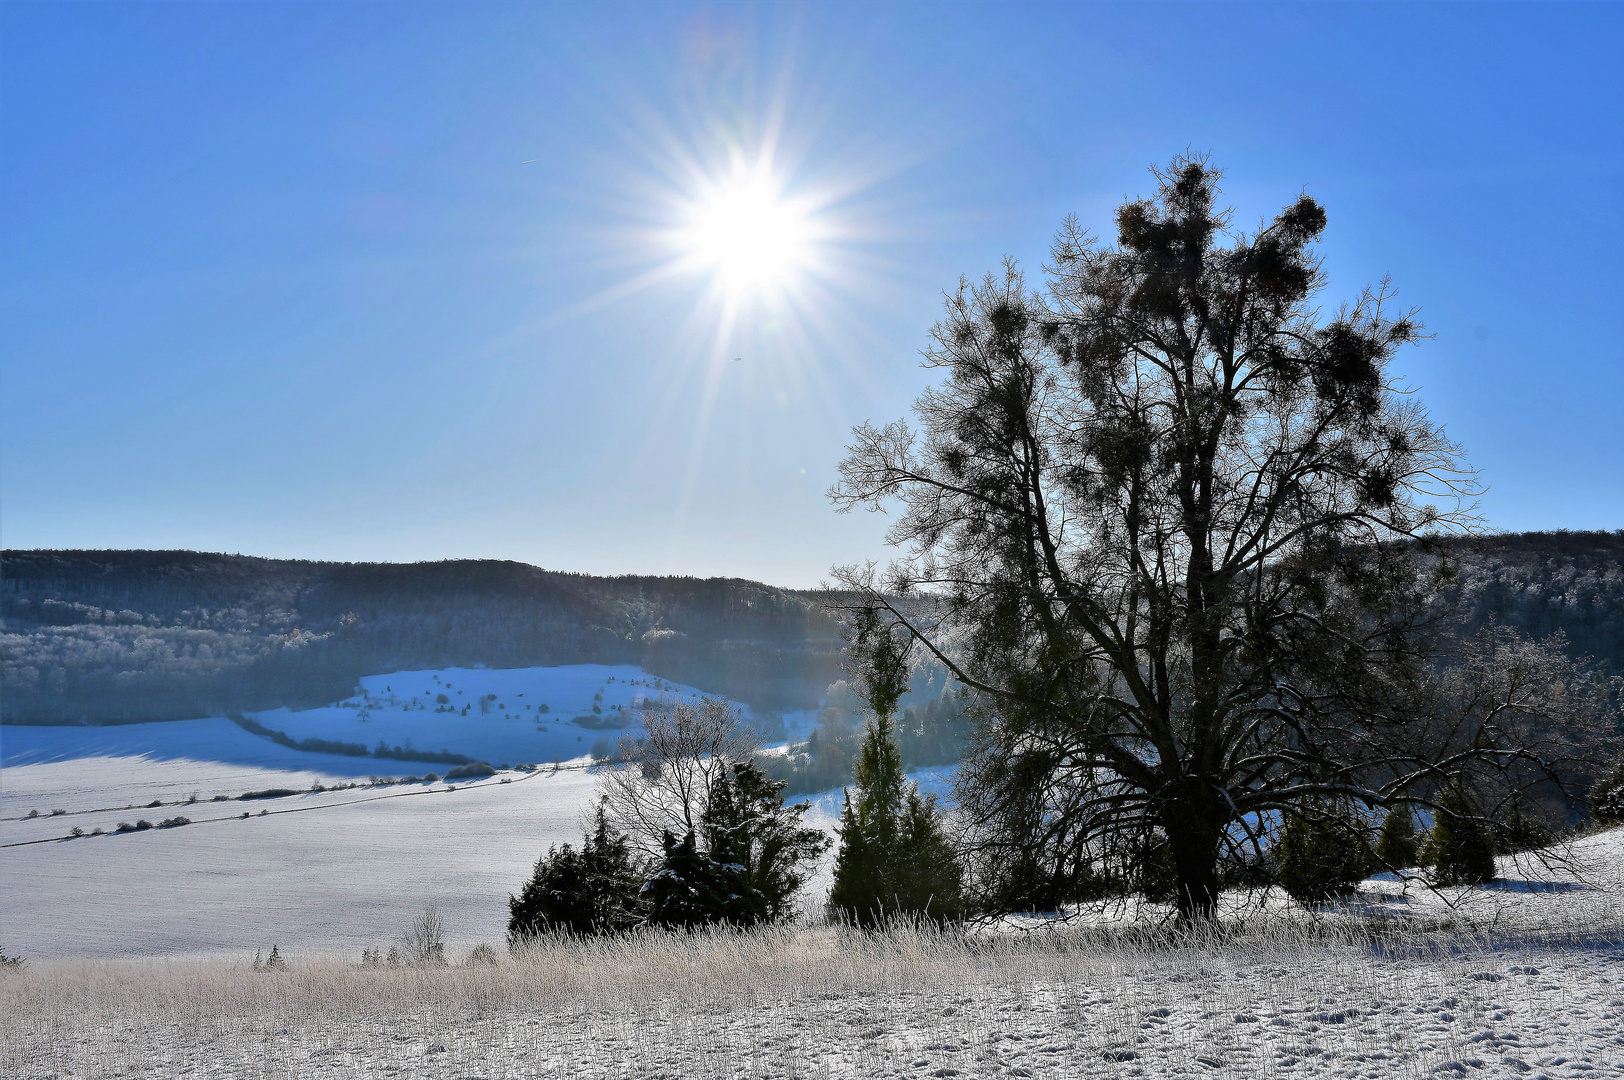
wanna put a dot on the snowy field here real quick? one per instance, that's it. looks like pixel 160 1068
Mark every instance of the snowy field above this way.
pixel 140 943
pixel 503 716
pixel 334 871
pixel 1280 1002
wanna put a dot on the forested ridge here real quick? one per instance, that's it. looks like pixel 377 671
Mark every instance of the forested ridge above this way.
pixel 124 636
pixel 1541 583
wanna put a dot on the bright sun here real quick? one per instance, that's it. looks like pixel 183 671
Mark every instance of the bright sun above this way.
pixel 751 237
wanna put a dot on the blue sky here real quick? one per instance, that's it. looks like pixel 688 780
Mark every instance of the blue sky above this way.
pixel 390 281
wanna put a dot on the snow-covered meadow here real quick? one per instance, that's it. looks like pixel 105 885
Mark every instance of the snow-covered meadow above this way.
pixel 330 871
pixel 1284 999
pixel 141 943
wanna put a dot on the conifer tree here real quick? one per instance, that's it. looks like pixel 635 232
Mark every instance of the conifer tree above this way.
pixel 1519 832
pixel 1398 846
pixel 1607 796
pixel 692 888
pixel 894 856
pixel 1460 847
pixel 594 890
pixel 746 822
pixel 1323 853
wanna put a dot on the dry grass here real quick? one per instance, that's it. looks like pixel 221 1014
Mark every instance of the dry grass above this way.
pixel 1290 1000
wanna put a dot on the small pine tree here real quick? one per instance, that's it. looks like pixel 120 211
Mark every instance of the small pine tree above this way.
pixel 1398 846
pixel 590 891
pixel 894 856
pixel 1519 832
pixel 746 822
pixel 1460 846
pixel 1323 853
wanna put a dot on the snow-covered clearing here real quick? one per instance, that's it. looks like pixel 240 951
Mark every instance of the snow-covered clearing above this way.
pixel 811 1002
pixel 500 715
pixel 1521 978
pixel 333 871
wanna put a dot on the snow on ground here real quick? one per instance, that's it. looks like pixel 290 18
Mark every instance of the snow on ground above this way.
pixel 331 871
pixel 821 1003
pixel 337 871
pixel 500 715
pixel 81 768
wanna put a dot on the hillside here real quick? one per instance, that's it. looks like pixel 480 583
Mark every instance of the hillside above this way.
pixel 122 636
pixel 1545 582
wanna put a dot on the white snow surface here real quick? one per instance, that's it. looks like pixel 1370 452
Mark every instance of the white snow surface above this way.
pixel 403 709
pixel 331 871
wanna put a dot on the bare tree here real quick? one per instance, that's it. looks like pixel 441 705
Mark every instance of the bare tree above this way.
pixel 424 941
pixel 665 775
pixel 1169 512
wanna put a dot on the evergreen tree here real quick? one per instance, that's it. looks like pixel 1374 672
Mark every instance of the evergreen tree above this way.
pixel 747 820
pixel 1460 847
pixel 1398 846
pixel 1519 832
pixel 692 888
pixel 1323 853
pixel 594 890
pixel 1607 796
pixel 894 857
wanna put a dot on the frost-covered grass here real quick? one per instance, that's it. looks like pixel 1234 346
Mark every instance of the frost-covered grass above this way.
pixel 1291 1000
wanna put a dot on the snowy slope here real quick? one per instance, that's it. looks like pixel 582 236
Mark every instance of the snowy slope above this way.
pixel 514 715
pixel 333 871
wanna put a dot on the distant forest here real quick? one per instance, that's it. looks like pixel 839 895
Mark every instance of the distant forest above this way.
pixel 125 636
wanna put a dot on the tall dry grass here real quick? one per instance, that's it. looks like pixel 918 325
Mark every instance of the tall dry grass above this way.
pixel 799 1002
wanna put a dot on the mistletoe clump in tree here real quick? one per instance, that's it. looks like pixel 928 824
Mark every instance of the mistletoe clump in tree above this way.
pixel 1163 519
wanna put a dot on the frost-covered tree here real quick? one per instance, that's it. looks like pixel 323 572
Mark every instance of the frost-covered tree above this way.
pixel 1607 795
pixel 665 776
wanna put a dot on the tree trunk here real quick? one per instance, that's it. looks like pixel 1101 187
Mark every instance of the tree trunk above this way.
pixel 1193 832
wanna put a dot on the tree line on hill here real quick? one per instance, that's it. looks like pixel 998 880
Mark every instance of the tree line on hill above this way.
pixel 125 636
pixel 111 637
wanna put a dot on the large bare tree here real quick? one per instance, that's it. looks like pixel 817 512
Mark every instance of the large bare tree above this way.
pixel 1164 518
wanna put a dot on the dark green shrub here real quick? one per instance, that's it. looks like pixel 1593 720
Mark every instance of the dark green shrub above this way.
pixel 1399 846
pixel 1323 853
pixel 1460 845
pixel 593 890
pixel 691 888
pixel 472 771
pixel 1607 796
pixel 267 793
